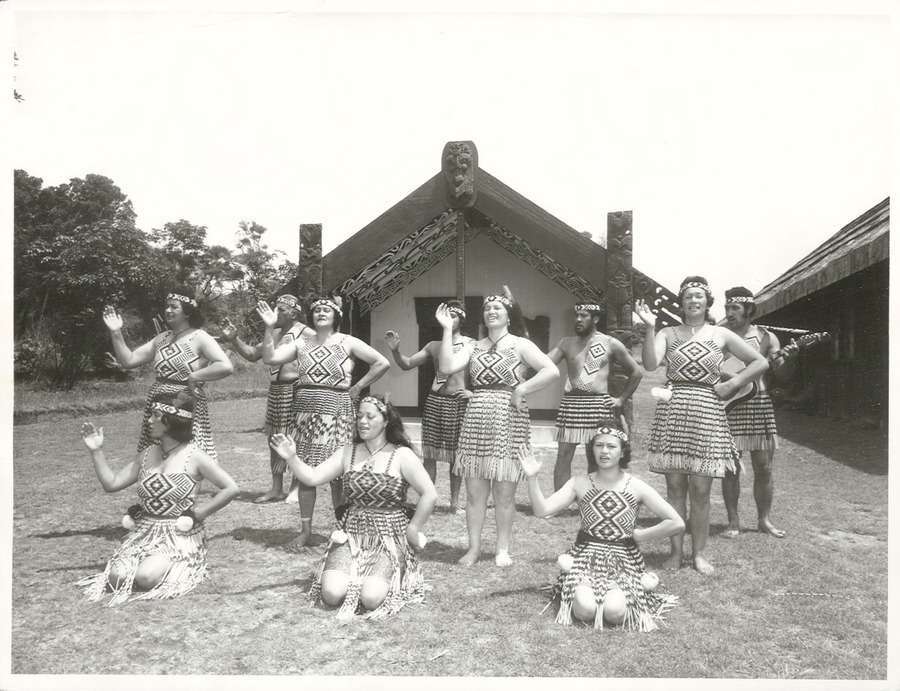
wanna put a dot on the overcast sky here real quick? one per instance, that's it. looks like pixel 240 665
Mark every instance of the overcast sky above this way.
pixel 739 141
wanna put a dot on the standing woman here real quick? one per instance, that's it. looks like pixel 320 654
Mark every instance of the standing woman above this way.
pixel 323 396
pixel 496 431
pixel 184 357
pixel 690 441
pixel 370 562
pixel 164 552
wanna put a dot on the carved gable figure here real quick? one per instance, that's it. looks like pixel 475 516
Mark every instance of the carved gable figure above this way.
pixel 458 164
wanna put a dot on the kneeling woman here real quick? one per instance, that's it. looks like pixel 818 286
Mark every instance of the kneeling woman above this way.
pixel 370 564
pixel 164 553
pixel 604 577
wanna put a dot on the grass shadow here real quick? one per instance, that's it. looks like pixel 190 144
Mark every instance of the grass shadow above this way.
pixel 270 537
pixel 303 584
pixel 107 532
pixel 837 440
pixel 441 553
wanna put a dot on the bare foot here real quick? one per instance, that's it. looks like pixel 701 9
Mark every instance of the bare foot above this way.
pixel 298 544
pixel 673 562
pixel 468 558
pixel 703 566
pixel 268 497
pixel 292 497
pixel 456 509
pixel 731 533
pixel 767 527
pixel 502 558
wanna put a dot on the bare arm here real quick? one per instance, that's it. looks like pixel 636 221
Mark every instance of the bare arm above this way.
pixel 782 366
pixel 414 473
pixel 213 472
pixel 330 469
pixel 632 370
pixel 127 358
pixel 219 365
pixel 403 362
pixel 547 372
pixel 378 363
pixel 556 355
pixel 245 350
pixel 448 361
pixel 756 364
pixel 670 524
pixel 653 349
pixel 111 481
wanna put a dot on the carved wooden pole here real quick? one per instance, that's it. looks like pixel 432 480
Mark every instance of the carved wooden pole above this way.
pixel 619 293
pixel 459 165
pixel 309 263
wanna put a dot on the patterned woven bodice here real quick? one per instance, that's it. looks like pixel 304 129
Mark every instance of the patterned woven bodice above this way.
pixel 696 362
pixel 288 336
pixel 595 359
pixel 440 377
pixel 496 366
pixel 366 489
pixel 325 365
pixel 166 495
pixel 609 514
pixel 177 359
pixel 754 338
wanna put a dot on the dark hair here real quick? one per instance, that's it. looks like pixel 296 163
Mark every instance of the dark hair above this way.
pixel 179 428
pixel 298 310
pixel 458 305
pixel 612 423
pixel 393 428
pixel 742 292
pixel 194 315
pixel 516 320
pixel 709 296
pixel 336 326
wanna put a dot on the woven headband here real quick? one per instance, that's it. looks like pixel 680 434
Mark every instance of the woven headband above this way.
pixel 737 300
pixel 693 284
pixel 588 307
pixel 181 298
pixel 498 298
pixel 287 300
pixel 375 402
pixel 613 431
pixel 172 410
pixel 328 303
pixel 458 311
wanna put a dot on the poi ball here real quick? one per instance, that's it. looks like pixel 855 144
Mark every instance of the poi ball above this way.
pixel 339 537
pixel 566 562
pixel 422 541
pixel 649 580
pixel 184 524
pixel 661 393
pixel 127 522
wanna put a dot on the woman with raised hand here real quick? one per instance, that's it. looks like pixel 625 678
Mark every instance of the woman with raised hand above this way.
pixel 370 563
pixel 164 552
pixel 496 431
pixel 603 578
pixel 185 357
pixel 323 396
pixel 690 441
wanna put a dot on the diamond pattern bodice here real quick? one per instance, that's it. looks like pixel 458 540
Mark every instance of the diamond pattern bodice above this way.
pixel 177 359
pixel 440 377
pixel 289 336
pixel 595 359
pixel 608 514
pixel 166 494
pixel 697 362
pixel 325 365
pixel 496 366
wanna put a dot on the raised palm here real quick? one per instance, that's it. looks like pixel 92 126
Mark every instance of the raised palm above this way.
pixel 531 466
pixel 283 445
pixel 266 313
pixel 112 319
pixel 92 436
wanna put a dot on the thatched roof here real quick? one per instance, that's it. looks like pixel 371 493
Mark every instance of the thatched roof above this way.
pixel 858 245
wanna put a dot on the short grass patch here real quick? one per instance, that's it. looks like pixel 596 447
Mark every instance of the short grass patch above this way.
pixel 811 606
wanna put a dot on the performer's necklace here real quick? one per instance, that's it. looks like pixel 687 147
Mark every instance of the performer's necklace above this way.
pixel 378 450
pixel 695 329
pixel 165 454
pixel 176 334
pixel 494 343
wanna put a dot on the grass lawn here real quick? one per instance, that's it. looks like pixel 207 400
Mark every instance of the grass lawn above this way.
pixel 811 606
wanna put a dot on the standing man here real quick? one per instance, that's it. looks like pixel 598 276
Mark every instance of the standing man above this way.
pixel 586 400
pixel 445 406
pixel 752 422
pixel 280 414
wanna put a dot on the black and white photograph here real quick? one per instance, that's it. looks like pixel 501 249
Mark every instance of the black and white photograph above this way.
pixel 448 343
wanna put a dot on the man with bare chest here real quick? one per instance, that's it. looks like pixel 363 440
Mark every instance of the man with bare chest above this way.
pixel 586 399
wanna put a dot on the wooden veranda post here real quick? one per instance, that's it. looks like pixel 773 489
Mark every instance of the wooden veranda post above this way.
pixel 619 293
pixel 309 263
pixel 459 165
